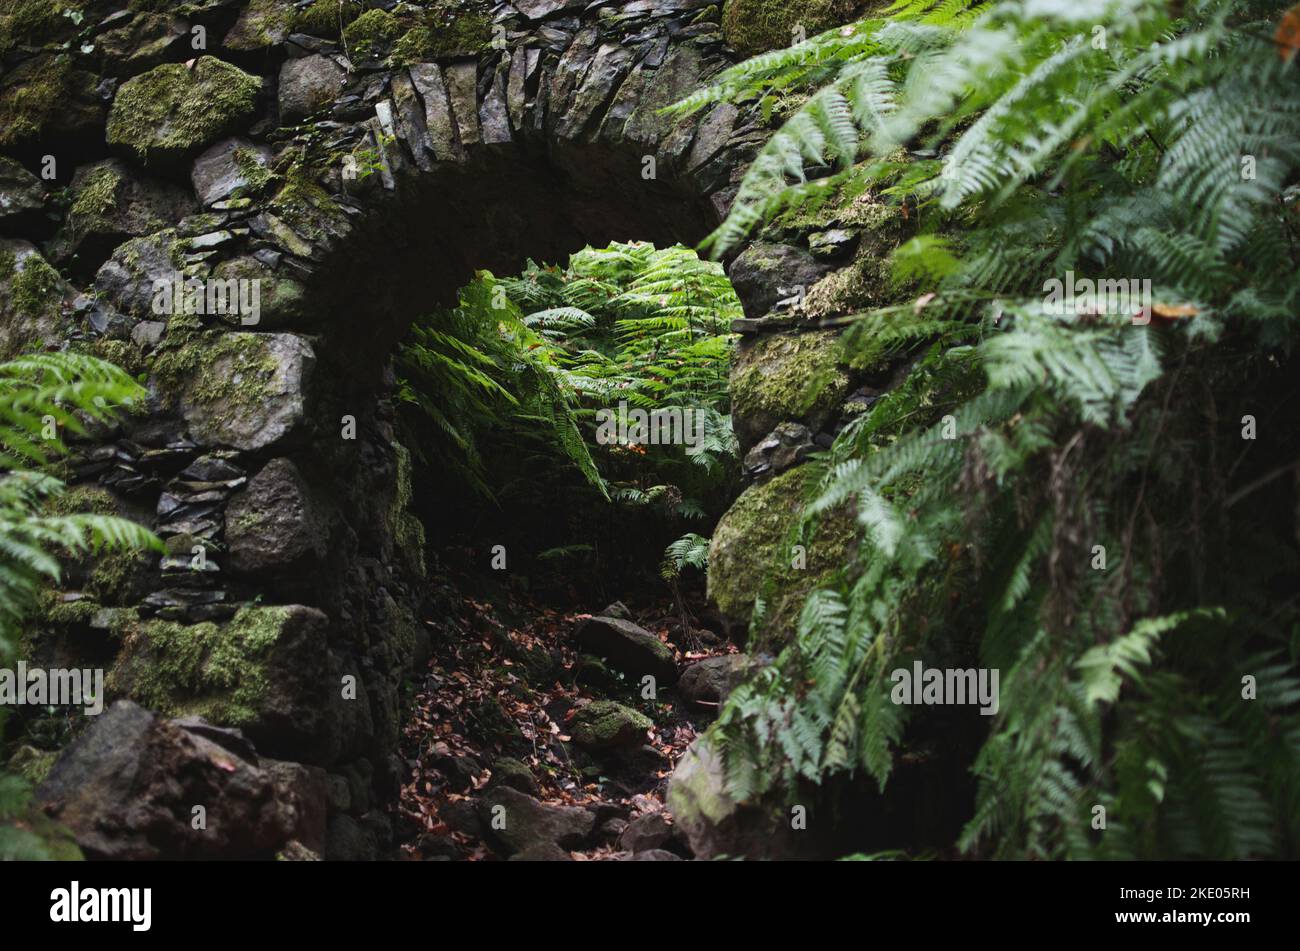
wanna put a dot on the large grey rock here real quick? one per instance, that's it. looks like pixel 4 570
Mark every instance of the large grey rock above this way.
pixel 608 67
pixel 518 823
pixel 712 679
pixel 20 194
pixel 274 523
pixel 308 85
pixel 127 789
pixel 714 823
pixel 627 646
pixel 227 166
pixel 785 446
pixel 645 832
pixel 766 275
pixel 250 392
pixel 127 279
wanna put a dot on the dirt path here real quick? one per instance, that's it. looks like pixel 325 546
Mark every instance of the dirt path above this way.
pixel 522 744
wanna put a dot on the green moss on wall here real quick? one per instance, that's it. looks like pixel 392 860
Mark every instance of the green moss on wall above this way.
pixel 752 554
pixel 756 26
pixel 188 364
pixel 787 377
pixel 445 29
pixel 216 671
pixel 173 110
pixel 371 35
pixel 35 22
pixel 326 17
pixel 30 101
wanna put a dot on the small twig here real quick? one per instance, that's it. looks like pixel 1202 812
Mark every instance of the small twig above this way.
pixel 1259 483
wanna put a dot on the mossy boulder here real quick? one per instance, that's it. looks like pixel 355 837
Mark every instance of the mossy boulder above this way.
pixel 244 390
pixel 36 22
pixel 111 203
pixel 753 553
pixel 48 100
pixel 508 771
pixel 606 725
pixel 263 24
pixel 798 377
pixel 173 111
pixel 32 295
pixel 714 823
pixel 756 26
pixel 264 671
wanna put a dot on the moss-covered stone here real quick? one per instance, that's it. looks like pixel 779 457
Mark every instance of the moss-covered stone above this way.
pixel 786 377
pixel 371 35
pixel 264 23
pixel 444 29
pixel 239 389
pixel 47 97
pixel 173 111
pixel 98 194
pixel 604 725
pixel 32 764
pixel 32 294
pixel 36 22
pixel 232 673
pixel 753 554
pixel 756 26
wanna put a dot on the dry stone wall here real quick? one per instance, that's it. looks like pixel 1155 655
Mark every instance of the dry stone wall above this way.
pixel 354 171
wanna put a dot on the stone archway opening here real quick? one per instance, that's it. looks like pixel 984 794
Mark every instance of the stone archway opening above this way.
pixel 352 193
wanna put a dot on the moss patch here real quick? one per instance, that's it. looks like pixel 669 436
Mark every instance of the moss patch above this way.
pixel 753 554
pixel 606 724
pixel 216 671
pixel 445 29
pixel 32 97
pixel 97 197
pixel 189 367
pixel 407 529
pixel 786 377
pixel 756 26
pixel 371 35
pixel 172 111
pixel 36 289
pixel 324 17
pixel 33 22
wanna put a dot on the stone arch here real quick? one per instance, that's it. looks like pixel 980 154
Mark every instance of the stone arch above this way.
pixel 338 180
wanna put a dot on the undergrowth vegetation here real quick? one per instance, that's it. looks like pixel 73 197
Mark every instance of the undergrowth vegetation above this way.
pixel 1083 497
pixel 522 386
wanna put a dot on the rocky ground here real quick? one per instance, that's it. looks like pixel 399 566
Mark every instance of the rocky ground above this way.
pixel 542 733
